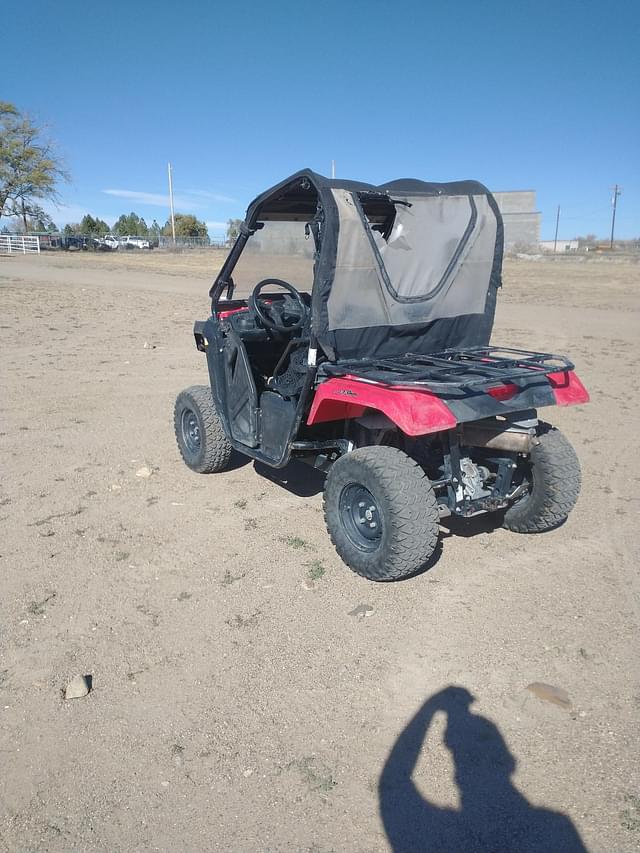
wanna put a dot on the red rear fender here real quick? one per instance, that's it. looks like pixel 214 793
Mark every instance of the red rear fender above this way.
pixel 414 412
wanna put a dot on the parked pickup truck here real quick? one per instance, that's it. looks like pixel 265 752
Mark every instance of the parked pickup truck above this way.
pixel 135 243
pixel 111 243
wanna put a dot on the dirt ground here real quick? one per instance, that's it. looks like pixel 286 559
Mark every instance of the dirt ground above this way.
pixel 250 693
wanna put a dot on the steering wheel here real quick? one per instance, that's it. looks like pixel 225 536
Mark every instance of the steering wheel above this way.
pixel 260 308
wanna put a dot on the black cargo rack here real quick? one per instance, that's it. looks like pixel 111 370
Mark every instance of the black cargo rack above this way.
pixel 454 370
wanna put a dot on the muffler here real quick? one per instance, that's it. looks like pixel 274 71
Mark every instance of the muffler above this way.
pixel 512 440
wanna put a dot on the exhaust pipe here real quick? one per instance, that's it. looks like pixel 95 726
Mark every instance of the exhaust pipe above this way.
pixel 514 441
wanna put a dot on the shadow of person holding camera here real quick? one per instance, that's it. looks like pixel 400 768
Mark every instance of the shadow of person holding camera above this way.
pixel 494 817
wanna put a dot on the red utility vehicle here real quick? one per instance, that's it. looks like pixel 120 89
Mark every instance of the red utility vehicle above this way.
pixel 364 348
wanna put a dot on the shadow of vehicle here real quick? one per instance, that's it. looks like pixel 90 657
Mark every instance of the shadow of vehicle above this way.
pixel 296 477
pixel 494 817
pixel 468 527
pixel 238 460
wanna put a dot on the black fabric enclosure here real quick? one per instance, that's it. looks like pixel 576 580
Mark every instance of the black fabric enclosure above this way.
pixel 403 267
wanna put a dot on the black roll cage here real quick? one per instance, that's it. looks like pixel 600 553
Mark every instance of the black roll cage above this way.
pixel 224 280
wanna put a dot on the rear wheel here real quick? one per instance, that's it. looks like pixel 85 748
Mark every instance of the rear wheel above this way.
pixel 381 513
pixel 201 439
pixel 553 478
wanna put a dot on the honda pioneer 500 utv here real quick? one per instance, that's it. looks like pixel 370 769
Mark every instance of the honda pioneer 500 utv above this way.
pixel 363 347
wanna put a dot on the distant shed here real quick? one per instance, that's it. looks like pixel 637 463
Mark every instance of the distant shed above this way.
pixel 521 219
pixel 559 246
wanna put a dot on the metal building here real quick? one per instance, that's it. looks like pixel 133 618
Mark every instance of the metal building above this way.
pixel 521 219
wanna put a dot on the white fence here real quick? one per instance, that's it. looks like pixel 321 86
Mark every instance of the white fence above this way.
pixel 17 243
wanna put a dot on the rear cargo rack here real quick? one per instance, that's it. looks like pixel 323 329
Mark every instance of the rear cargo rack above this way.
pixel 454 370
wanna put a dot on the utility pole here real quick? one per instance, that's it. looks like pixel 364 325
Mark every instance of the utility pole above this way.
pixel 333 169
pixel 614 202
pixel 173 218
pixel 555 239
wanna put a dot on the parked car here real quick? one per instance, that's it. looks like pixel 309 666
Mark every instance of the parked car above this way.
pixel 377 368
pixel 135 243
pixel 75 242
pixel 105 244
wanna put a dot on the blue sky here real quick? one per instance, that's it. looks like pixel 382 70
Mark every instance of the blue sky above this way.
pixel 515 93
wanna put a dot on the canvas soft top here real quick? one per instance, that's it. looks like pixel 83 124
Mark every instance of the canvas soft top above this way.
pixel 404 266
pixel 291 195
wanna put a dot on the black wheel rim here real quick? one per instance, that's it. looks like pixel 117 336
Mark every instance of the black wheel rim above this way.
pixel 190 431
pixel 361 517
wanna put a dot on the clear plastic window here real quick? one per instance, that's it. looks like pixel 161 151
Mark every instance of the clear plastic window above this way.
pixel 422 244
pixel 278 250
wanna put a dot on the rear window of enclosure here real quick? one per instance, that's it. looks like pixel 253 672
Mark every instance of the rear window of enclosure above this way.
pixel 420 240
pixel 278 250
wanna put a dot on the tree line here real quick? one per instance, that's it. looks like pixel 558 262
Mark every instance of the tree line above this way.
pixel 131 224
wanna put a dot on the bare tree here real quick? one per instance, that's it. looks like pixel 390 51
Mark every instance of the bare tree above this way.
pixel 30 170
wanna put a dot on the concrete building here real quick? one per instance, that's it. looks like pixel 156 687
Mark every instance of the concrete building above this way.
pixel 521 219
pixel 559 247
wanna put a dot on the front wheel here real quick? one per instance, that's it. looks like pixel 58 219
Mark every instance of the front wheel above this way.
pixel 381 513
pixel 552 479
pixel 201 439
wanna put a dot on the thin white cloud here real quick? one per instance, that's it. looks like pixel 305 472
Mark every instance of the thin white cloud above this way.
pixel 212 196
pixel 152 199
pixel 193 199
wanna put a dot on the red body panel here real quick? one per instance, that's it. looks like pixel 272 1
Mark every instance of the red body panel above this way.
pixel 222 315
pixel 567 388
pixel 415 412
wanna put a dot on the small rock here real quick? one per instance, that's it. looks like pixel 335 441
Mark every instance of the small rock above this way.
pixel 549 693
pixel 115 487
pixel 307 583
pixel 144 472
pixel 247 773
pixel 362 611
pixel 77 687
pixel 145 345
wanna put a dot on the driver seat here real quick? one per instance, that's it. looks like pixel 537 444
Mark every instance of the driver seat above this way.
pixel 289 372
